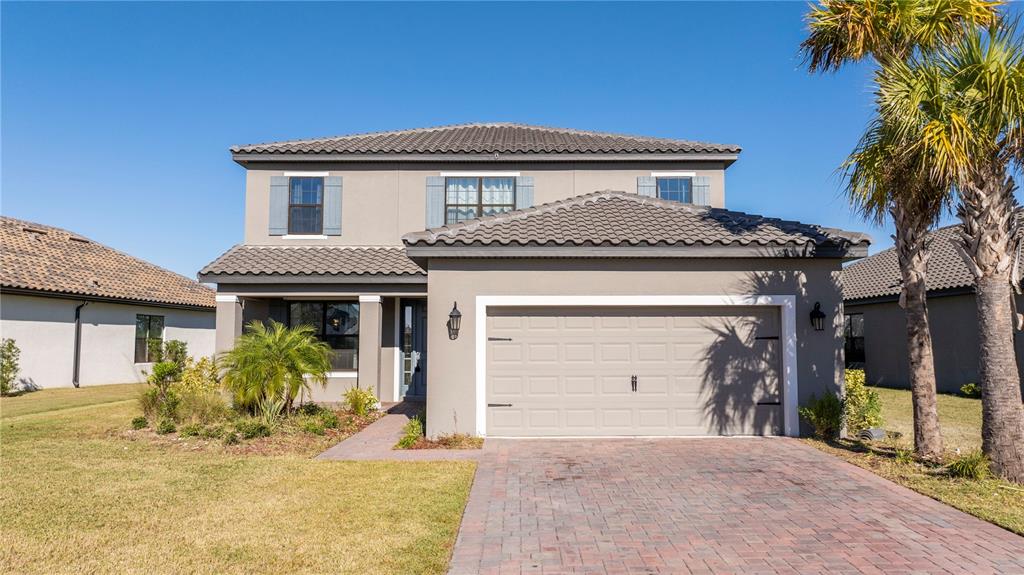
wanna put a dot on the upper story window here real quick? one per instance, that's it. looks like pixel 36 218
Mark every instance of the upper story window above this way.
pixel 305 206
pixel 676 189
pixel 149 333
pixel 473 197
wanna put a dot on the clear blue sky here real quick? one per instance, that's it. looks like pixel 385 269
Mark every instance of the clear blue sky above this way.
pixel 117 118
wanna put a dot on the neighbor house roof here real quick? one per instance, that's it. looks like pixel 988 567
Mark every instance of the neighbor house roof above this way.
pixel 620 219
pixel 351 263
pixel 878 276
pixel 488 139
pixel 38 258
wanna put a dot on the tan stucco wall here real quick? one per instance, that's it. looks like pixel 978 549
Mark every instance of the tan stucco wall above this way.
pixel 44 330
pixel 380 203
pixel 451 395
pixel 953 321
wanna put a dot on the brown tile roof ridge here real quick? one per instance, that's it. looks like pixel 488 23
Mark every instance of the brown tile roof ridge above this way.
pixel 260 146
pixel 237 260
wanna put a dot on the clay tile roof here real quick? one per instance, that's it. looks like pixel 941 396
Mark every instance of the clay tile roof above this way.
pixel 48 259
pixel 878 276
pixel 249 260
pixel 613 218
pixel 489 138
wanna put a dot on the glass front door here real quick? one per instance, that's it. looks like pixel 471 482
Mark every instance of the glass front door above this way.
pixel 413 345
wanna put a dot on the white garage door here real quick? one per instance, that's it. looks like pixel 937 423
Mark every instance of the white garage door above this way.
pixel 633 371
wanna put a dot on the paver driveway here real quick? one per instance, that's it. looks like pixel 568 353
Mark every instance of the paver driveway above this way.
pixel 728 505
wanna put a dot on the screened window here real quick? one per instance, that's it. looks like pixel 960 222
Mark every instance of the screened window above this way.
pixel 853 332
pixel 676 189
pixel 306 206
pixel 149 332
pixel 468 198
pixel 336 324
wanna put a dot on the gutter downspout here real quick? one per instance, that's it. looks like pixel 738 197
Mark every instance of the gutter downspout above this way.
pixel 78 343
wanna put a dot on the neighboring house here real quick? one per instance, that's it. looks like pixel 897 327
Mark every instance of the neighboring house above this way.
pixel 876 327
pixel 82 312
pixel 532 281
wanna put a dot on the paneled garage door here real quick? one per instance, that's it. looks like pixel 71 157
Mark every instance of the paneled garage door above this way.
pixel 633 371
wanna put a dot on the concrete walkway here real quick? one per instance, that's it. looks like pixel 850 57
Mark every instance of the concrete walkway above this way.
pixel 375 443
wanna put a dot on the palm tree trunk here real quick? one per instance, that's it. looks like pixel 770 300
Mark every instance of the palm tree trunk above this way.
pixel 990 227
pixel 911 230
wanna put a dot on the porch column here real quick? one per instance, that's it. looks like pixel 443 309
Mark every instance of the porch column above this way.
pixel 229 322
pixel 370 319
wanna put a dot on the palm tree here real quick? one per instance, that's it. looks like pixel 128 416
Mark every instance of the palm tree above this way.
pixel 959 114
pixel 274 363
pixel 843 31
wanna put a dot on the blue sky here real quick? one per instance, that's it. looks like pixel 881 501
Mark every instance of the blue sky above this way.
pixel 117 118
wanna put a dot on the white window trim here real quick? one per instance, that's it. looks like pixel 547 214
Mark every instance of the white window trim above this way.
pixel 480 174
pixel 344 373
pixel 307 174
pixel 674 174
pixel 303 237
pixel 786 304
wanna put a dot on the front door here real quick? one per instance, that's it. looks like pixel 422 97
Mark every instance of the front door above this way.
pixel 413 347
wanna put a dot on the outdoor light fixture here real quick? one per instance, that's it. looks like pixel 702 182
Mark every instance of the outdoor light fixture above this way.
pixel 818 317
pixel 454 321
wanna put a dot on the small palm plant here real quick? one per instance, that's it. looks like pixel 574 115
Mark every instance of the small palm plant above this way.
pixel 271 363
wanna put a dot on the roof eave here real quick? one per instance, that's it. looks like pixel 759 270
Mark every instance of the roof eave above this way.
pixel 104 299
pixel 245 159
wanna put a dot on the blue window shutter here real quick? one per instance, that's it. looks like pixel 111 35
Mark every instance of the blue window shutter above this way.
pixel 702 190
pixel 647 186
pixel 332 206
pixel 278 205
pixel 435 201
pixel 524 192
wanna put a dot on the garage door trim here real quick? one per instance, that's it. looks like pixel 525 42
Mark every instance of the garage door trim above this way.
pixel 785 303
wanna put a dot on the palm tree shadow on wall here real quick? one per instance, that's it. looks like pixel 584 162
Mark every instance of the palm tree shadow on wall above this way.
pixel 742 380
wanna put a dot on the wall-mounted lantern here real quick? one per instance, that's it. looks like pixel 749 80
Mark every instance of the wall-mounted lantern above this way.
pixel 454 322
pixel 818 317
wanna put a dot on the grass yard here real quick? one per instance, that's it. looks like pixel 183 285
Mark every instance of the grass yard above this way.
pixel 993 500
pixel 78 497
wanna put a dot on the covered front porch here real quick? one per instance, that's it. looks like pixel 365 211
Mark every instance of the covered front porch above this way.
pixel 368 304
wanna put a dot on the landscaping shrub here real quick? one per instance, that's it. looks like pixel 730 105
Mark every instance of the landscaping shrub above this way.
pixel 274 361
pixel 156 406
pixel 9 355
pixel 191 430
pixel 231 438
pixel 269 410
pixel 166 426
pixel 312 425
pixel 251 428
pixel 212 432
pixel 411 433
pixel 825 415
pixel 140 422
pixel 310 409
pixel 199 375
pixel 329 419
pixel 360 401
pixel 973 465
pixel 203 407
pixel 862 404
pixel 971 390
pixel 176 351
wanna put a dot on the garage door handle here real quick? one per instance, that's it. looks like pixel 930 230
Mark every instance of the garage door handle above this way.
pixel 632 381
pixel 499 339
pixel 499 405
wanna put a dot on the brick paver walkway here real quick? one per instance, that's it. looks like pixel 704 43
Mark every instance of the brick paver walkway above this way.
pixel 727 505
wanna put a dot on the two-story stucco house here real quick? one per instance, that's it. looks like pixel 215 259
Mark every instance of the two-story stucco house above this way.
pixel 532 281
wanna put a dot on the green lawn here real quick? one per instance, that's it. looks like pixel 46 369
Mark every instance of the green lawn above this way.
pixel 79 497
pixel 993 500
